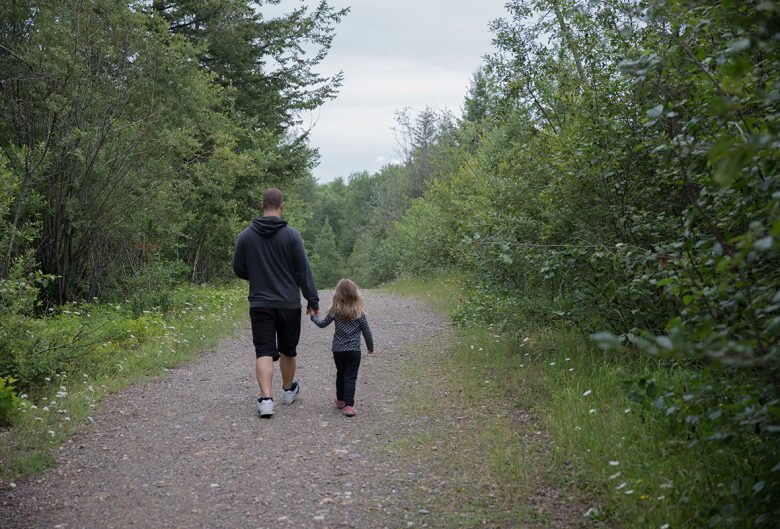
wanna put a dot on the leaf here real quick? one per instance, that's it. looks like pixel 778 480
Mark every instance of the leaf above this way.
pixel 727 171
pixel 656 111
pixel 738 46
pixel 605 340
pixel 763 244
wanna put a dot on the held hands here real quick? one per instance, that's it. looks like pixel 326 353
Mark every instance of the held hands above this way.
pixel 312 312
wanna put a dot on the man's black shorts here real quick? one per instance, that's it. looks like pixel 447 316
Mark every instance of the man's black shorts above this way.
pixel 275 331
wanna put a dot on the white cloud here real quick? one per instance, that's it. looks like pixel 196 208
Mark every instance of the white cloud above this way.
pixel 394 54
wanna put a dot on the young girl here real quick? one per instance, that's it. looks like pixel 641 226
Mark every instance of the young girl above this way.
pixel 347 312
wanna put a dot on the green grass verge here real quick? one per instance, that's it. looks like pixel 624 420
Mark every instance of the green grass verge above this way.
pixel 115 347
pixel 618 456
pixel 489 459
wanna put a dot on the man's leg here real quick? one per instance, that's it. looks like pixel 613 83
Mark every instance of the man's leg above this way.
pixel 264 369
pixel 264 339
pixel 289 332
pixel 287 365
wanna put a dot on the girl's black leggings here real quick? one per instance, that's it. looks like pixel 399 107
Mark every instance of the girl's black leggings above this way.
pixel 347 365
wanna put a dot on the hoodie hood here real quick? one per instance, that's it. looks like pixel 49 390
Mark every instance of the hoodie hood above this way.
pixel 267 226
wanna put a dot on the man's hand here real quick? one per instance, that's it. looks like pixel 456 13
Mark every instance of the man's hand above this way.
pixel 312 312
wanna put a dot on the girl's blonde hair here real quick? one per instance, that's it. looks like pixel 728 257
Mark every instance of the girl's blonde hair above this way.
pixel 347 303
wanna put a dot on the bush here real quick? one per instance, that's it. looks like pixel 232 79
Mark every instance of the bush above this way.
pixel 9 402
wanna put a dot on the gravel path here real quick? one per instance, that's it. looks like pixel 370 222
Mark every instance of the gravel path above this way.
pixel 189 450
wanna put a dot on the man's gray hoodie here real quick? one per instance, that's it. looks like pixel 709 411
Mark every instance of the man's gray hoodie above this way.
pixel 270 254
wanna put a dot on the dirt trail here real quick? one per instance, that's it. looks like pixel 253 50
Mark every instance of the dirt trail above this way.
pixel 189 450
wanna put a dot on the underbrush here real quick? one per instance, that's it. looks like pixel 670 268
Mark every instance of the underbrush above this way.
pixel 626 430
pixel 62 364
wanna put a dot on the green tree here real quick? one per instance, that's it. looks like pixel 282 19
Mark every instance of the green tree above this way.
pixel 327 263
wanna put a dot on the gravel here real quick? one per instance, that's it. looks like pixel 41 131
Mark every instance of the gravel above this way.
pixel 189 450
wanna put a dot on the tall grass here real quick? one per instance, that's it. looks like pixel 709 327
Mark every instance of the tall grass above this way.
pixel 122 345
pixel 629 463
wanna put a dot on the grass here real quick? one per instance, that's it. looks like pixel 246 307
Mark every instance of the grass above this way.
pixel 489 459
pixel 128 347
pixel 560 416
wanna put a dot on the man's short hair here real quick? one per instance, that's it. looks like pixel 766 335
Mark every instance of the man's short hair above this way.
pixel 272 199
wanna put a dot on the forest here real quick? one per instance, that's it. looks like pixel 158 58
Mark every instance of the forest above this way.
pixel 613 173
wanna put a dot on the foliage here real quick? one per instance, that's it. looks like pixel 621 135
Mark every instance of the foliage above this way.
pixel 67 361
pixel 124 136
pixel 9 401
pixel 616 171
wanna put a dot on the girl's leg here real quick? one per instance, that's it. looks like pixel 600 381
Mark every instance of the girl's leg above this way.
pixel 351 366
pixel 338 358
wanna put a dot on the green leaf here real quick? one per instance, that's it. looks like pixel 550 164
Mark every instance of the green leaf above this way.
pixel 738 46
pixel 606 340
pixel 773 329
pixel 727 171
pixel 656 111
pixel 763 244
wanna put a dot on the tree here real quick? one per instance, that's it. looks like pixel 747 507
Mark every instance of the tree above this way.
pixel 327 263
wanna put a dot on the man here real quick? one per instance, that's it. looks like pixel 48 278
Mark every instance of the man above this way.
pixel 270 255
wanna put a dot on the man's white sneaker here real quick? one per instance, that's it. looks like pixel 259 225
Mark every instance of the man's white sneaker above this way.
pixel 289 395
pixel 265 408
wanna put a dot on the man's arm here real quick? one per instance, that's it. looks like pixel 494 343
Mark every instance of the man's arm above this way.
pixel 304 276
pixel 239 262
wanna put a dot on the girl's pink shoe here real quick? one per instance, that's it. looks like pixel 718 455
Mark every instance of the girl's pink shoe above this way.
pixel 349 411
pixel 339 403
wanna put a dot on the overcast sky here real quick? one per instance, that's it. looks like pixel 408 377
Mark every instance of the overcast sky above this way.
pixel 394 54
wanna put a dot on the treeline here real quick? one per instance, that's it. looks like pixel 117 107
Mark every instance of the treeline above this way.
pixel 615 169
pixel 136 138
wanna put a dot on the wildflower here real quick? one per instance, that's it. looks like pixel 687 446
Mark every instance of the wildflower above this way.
pixel 592 411
pixel 552 363
pixel 627 411
pixel 664 526
pixel 614 463
pixel 629 492
pixel 571 369
pixel 615 476
pixel 587 393
pixel 45 408
pixel 644 497
pixel 621 486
